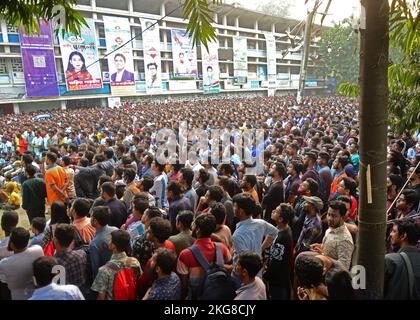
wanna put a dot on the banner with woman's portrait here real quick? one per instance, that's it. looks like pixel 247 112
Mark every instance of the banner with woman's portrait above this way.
pixel 120 56
pixel 80 59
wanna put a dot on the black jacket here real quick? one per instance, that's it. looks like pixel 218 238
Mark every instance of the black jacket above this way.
pixel 86 181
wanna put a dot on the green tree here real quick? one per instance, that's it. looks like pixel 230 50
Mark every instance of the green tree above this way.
pixel 28 13
pixel 339 53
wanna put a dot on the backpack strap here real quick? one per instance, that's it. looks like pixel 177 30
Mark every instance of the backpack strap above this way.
pixel 219 255
pixel 201 260
pixel 410 273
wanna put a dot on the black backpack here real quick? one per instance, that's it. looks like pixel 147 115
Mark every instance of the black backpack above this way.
pixel 143 249
pixel 217 283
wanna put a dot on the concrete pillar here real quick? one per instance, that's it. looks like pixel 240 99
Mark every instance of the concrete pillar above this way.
pixel 4 31
pixel 63 105
pixel 224 20
pixel 256 25
pixel 16 109
pixel 162 9
pixel 273 28
pixel 94 14
pixel 165 39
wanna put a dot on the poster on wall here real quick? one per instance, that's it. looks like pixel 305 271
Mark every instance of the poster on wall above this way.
pixel 210 58
pixel 120 61
pixel 184 55
pixel 152 57
pixel 80 58
pixel 39 72
pixel 240 60
pixel 114 102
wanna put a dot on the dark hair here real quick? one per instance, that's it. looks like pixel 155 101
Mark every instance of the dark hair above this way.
pixel 343 160
pixel 120 55
pixel 65 234
pixel 346 199
pixel 140 205
pixel 339 284
pixel 39 223
pixel 9 220
pixel 226 167
pixel 309 270
pixel 313 186
pixel 59 213
pixel 175 188
pixel 166 260
pixel 103 179
pixel 159 165
pixel 228 185
pixel 186 218
pixel 338 205
pixel 245 202
pixel 121 239
pixel 251 262
pixel 81 206
pixel 102 214
pixel 350 184
pixel 27 159
pixel 160 228
pixel 411 197
pixel 152 64
pixel 66 160
pixel 203 175
pixel 218 210
pixel 396 180
pixel 147 183
pixel 251 179
pixel 324 155
pixel 297 166
pixel 42 269
pixel 187 175
pixel 206 223
pixel 153 212
pixel 287 213
pixel 280 168
pixel 52 157
pixel 410 228
pixel 216 193
pixel 30 170
pixel 311 156
pixel 129 175
pixel 70 66
pixel 19 237
pixel 108 188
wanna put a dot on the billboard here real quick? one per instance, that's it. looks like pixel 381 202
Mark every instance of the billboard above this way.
pixel 120 58
pixel 210 58
pixel 240 58
pixel 80 58
pixel 40 76
pixel 152 57
pixel 184 55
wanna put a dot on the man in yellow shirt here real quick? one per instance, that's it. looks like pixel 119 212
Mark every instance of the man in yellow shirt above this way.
pixel 11 198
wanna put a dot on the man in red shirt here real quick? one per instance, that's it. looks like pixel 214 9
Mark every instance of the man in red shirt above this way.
pixel 188 268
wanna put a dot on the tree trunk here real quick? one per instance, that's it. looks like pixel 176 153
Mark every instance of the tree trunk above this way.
pixel 306 48
pixel 373 142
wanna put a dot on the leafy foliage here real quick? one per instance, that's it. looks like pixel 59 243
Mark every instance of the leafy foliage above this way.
pixel 199 18
pixel 339 54
pixel 276 8
pixel 28 13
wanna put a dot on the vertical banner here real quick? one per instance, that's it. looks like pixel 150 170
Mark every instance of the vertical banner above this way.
pixel 271 63
pixel 184 55
pixel 152 57
pixel 120 62
pixel 240 60
pixel 38 62
pixel 211 83
pixel 80 59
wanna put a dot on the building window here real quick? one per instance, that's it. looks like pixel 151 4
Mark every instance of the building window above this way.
pixel 17 65
pixel 11 29
pixel 3 65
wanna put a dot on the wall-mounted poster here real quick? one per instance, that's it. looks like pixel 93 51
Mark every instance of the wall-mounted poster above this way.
pixel 184 55
pixel 152 57
pixel 210 58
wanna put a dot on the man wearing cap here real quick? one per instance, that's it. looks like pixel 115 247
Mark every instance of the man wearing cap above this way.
pixel 312 230
pixel 337 242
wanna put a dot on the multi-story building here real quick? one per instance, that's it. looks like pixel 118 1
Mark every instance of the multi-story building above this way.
pixel 230 21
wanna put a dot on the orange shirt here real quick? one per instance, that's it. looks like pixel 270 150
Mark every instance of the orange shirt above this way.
pixel 335 183
pixel 56 175
pixel 254 194
pixel 87 232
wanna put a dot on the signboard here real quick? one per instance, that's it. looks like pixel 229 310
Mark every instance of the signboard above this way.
pixel 184 55
pixel 120 61
pixel 40 75
pixel 152 57
pixel 240 58
pixel 210 58
pixel 80 58
pixel 114 102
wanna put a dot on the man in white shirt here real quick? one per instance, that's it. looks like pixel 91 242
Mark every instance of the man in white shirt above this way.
pixel 46 288
pixel 16 270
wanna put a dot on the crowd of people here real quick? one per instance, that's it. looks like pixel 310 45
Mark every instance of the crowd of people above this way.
pixel 112 221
